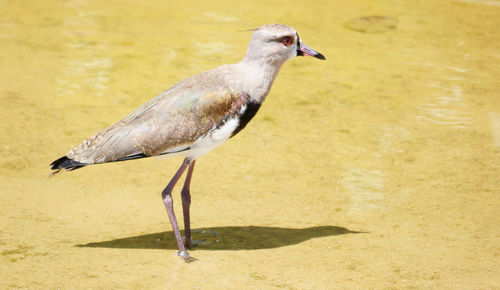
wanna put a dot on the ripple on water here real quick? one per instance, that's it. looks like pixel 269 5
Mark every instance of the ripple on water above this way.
pixel 447 109
pixel 219 17
pixel 365 189
pixel 482 2
pixel 213 48
pixel 80 73
pixel 495 128
pixel 391 137
pixel 83 69
pixel 168 54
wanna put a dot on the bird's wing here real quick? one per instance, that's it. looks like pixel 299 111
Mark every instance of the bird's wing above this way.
pixel 169 122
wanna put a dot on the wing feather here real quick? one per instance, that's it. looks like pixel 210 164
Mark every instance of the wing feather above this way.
pixel 174 119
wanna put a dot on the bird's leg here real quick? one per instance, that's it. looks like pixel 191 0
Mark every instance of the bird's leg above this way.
pixel 186 202
pixel 167 200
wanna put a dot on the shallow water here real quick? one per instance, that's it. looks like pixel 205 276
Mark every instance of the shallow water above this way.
pixel 376 168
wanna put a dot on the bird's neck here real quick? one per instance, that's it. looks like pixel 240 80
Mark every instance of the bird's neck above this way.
pixel 258 76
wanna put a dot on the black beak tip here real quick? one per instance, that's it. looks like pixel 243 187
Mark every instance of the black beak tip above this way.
pixel 320 56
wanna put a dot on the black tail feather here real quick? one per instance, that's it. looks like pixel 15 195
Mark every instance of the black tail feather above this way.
pixel 66 163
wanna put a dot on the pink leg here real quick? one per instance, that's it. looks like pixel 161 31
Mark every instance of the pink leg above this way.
pixel 186 203
pixel 168 202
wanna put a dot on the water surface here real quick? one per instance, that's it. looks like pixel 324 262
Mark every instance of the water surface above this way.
pixel 376 168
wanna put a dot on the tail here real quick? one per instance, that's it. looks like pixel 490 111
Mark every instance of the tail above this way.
pixel 64 163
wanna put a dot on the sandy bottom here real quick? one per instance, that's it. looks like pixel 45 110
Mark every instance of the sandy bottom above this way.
pixel 378 168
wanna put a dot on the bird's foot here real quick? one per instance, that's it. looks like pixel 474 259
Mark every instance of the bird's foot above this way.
pixel 185 256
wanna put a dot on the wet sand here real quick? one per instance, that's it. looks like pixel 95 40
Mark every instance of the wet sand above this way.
pixel 378 168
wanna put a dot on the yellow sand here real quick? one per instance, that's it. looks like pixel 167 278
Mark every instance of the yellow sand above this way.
pixel 378 168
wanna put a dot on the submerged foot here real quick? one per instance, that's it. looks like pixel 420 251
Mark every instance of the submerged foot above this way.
pixel 185 256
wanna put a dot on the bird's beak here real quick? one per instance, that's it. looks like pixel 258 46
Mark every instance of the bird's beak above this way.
pixel 305 50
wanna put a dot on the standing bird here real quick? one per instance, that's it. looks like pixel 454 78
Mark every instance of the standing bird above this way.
pixel 194 116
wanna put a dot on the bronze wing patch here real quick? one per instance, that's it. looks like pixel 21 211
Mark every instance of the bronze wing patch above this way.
pixel 189 119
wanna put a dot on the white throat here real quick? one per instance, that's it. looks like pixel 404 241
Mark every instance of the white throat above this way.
pixel 257 76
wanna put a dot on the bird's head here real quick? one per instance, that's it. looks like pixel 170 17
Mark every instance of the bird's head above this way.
pixel 277 43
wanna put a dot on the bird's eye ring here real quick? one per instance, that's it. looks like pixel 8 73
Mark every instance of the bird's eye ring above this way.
pixel 287 40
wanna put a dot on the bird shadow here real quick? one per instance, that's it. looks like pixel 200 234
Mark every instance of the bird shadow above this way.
pixel 226 238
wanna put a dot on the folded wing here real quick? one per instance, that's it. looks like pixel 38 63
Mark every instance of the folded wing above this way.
pixel 168 123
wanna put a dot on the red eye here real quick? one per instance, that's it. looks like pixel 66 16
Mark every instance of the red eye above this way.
pixel 287 40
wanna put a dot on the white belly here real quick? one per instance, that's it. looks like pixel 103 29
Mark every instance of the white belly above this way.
pixel 210 141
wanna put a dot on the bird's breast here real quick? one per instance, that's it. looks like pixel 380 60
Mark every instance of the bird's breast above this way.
pixel 245 115
pixel 223 131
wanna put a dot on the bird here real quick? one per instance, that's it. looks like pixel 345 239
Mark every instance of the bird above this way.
pixel 194 116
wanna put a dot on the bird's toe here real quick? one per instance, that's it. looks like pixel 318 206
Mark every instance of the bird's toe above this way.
pixel 185 256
